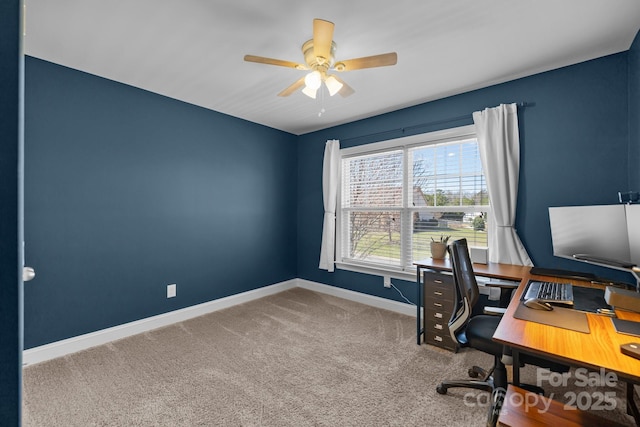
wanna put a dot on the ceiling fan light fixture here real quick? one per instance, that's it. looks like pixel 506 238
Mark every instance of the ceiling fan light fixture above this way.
pixel 333 85
pixel 311 93
pixel 319 58
pixel 313 80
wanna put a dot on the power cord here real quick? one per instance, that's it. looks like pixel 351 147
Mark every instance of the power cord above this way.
pixel 401 294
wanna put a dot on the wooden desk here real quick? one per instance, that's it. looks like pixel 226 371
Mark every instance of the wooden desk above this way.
pixel 542 411
pixel 600 348
pixel 490 270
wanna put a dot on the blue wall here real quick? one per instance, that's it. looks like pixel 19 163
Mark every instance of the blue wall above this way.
pixel 127 191
pixel 11 80
pixel 574 144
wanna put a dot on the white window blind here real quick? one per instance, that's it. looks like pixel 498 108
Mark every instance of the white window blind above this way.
pixel 396 196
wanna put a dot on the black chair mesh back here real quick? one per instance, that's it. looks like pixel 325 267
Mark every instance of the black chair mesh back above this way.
pixel 466 294
pixel 463 271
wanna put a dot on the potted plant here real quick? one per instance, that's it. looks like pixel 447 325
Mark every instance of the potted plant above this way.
pixel 439 247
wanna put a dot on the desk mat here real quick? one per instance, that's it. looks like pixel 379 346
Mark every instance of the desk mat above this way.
pixel 559 317
pixel 626 327
pixel 589 299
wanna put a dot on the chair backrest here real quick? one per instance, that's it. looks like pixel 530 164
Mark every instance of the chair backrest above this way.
pixel 467 292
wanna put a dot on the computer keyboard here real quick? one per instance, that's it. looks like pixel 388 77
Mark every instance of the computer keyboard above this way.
pixel 552 292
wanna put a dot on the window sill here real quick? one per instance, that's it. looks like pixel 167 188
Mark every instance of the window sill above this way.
pixel 377 271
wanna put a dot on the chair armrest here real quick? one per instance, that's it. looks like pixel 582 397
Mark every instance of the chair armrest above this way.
pixel 494 311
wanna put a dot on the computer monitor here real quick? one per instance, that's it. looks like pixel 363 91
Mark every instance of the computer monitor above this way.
pixel 633 230
pixel 607 235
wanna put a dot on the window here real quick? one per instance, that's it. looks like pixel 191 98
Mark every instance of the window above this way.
pixel 396 196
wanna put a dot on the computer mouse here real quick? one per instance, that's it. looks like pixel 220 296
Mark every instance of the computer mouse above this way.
pixel 536 304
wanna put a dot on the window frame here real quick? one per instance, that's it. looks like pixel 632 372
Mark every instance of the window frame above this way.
pixel 405 144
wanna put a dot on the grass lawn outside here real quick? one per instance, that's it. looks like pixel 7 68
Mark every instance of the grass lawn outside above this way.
pixel 381 245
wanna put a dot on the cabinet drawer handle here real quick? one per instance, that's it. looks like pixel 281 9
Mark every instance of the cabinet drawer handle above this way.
pixel 438 281
pixel 437 304
pixel 438 315
pixel 437 338
pixel 437 293
pixel 438 326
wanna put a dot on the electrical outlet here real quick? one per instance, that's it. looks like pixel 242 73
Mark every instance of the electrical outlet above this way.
pixel 387 281
pixel 171 290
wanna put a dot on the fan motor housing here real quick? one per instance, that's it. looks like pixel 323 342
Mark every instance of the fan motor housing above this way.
pixel 316 62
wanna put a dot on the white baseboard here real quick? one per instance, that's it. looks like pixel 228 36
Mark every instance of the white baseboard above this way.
pixel 378 302
pixel 82 342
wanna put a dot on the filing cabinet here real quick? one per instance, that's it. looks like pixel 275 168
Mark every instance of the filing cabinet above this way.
pixel 439 299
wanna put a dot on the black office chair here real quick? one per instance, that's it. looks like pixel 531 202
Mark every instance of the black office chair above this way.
pixel 477 332
pixel 472 331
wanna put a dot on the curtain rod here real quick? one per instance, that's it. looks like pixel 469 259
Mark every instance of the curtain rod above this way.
pixel 427 124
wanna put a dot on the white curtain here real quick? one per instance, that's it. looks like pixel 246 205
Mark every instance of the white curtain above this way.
pixel 499 143
pixel 330 177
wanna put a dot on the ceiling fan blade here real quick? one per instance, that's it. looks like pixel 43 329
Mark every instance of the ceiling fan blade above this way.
pixel 295 86
pixel 322 38
pixel 346 90
pixel 367 62
pixel 271 61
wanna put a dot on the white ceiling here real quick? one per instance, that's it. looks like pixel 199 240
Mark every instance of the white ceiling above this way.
pixel 193 50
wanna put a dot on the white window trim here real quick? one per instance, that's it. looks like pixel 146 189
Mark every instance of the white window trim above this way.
pixel 410 141
pixel 378 271
pixel 436 137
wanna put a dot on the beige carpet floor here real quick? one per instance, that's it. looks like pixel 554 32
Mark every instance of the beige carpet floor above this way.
pixel 298 358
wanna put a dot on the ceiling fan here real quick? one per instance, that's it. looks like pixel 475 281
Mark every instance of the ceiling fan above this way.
pixel 319 57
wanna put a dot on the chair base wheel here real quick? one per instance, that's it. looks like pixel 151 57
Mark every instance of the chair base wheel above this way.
pixel 477 372
pixel 441 389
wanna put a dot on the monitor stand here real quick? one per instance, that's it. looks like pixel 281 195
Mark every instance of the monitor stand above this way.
pixel 616 265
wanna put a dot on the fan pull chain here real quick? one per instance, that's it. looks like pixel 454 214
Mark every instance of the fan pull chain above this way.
pixel 322 110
